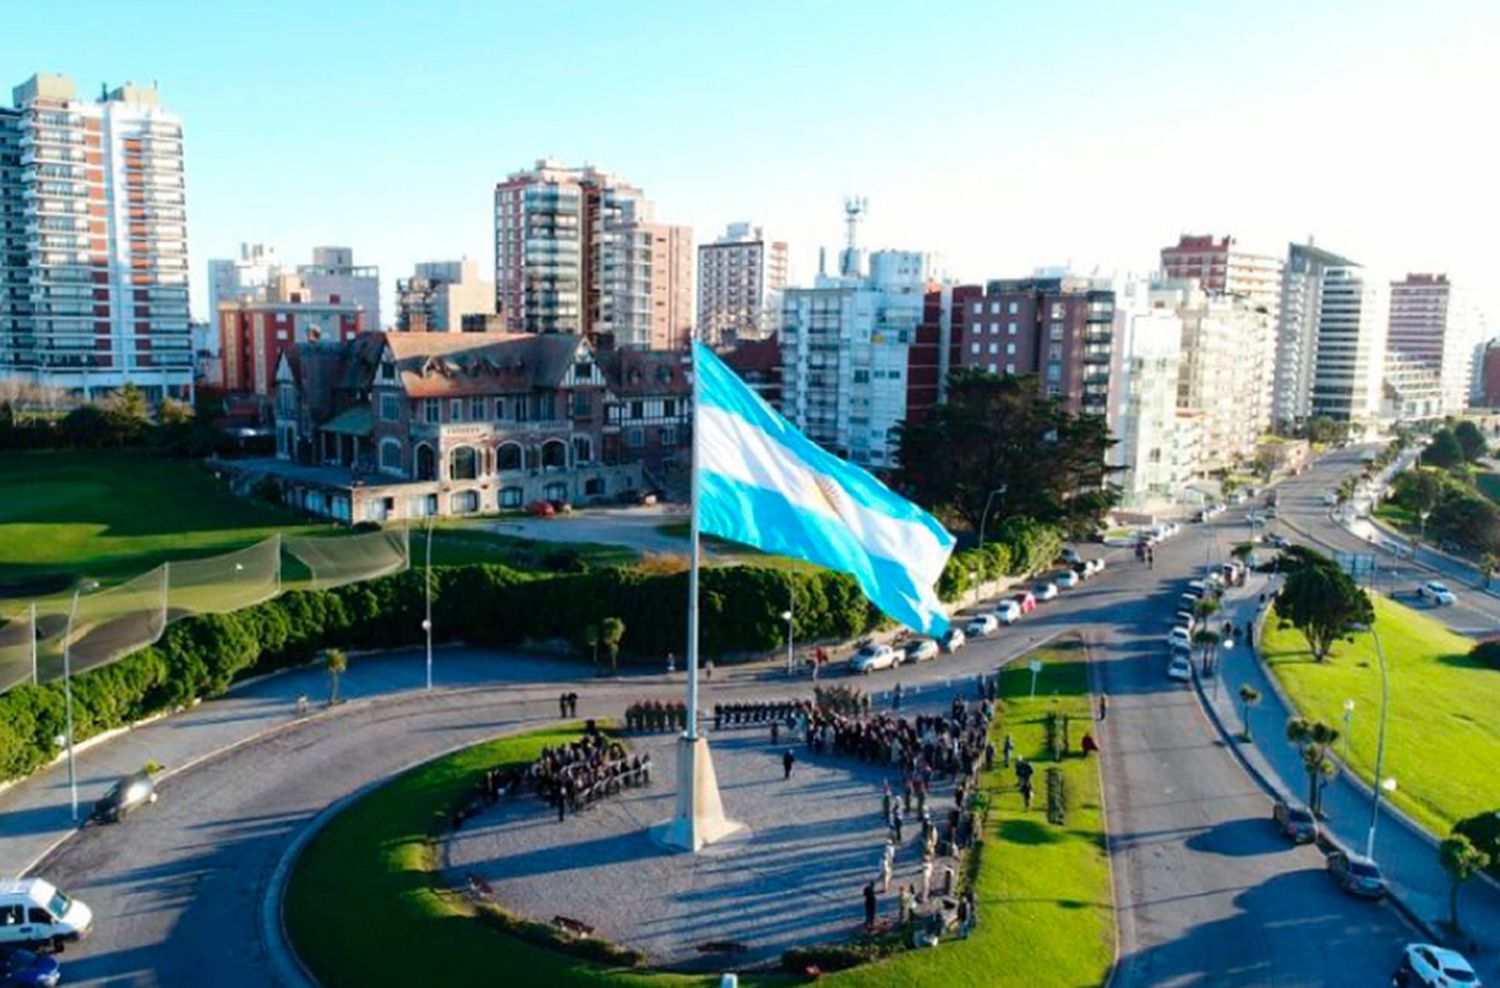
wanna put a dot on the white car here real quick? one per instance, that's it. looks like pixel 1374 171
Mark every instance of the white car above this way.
pixel 1008 612
pixel 873 657
pixel 1180 668
pixel 1045 591
pixel 1436 592
pixel 953 640
pixel 1065 579
pixel 1330 498
pixel 1096 564
pixel 1434 967
pixel 1069 555
pixel 921 650
pixel 46 918
pixel 1255 518
pixel 982 627
pixel 1180 637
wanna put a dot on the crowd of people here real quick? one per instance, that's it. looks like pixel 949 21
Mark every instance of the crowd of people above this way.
pixel 573 775
pixel 754 714
pixel 654 715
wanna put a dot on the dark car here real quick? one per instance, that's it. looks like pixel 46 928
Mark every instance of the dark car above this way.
pixel 1356 874
pixel 24 969
pixel 1295 821
pixel 127 795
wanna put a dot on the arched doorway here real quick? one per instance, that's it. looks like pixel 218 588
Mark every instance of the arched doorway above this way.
pixel 426 462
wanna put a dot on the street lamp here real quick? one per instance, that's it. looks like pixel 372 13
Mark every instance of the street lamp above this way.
pixel 786 616
pixel 1348 719
pixel 986 516
pixel 1387 785
pixel 87 586
pixel 427 620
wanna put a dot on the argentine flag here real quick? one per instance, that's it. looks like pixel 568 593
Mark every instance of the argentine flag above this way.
pixel 763 483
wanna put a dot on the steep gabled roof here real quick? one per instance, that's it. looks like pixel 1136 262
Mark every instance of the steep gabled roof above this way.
pixel 453 365
pixel 642 373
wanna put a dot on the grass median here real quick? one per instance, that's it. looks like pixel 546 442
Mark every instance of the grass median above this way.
pixel 1442 738
pixel 1045 904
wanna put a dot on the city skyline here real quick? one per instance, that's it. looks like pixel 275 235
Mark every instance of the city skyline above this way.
pixel 1143 129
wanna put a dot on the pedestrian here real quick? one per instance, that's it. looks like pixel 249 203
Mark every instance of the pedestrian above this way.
pixel 896 698
pixel 989 755
pixel 1007 751
pixel 926 881
pixel 885 801
pixel 775 732
pixel 1089 744
pixel 896 823
pixel 708 669
pixel 870 905
pixel 562 706
pixel 906 904
pixel 885 871
pixel 1103 706
pixel 572 704
pixel 671 663
pixel 1026 792
pixel 788 759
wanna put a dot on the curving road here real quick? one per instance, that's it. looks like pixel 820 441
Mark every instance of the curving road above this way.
pixel 1206 895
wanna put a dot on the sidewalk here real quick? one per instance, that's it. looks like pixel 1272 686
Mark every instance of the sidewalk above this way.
pixel 1406 853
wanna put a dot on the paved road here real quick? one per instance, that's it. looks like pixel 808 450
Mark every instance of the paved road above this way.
pixel 1206 896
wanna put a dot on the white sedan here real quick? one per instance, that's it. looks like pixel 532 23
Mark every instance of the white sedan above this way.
pixel 1436 592
pixel 1180 637
pixel 1008 612
pixel 873 657
pixel 982 627
pixel 1429 966
pixel 1045 591
pixel 1066 579
pixel 1180 668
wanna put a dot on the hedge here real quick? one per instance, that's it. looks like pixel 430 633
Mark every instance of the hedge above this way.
pixel 1022 546
pixel 482 604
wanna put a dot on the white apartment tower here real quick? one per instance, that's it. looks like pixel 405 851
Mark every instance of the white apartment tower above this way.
pixel 335 279
pixel 1349 357
pixel 1435 325
pixel 1148 345
pixel 93 242
pixel 1228 347
pixel 577 251
pixel 1297 332
pixel 741 278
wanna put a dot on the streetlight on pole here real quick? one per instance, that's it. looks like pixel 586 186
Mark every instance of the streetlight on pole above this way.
pixel 1348 720
pixel 986 516
pixel 786 616
pixel 427 580
pixel 85 587
pixel 1380 783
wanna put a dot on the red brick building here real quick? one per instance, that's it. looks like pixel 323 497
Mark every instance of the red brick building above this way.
pixel 253 335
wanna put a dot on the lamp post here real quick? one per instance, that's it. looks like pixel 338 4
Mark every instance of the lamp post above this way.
pixel 786 616
pixel 1348 719
pixel 986 516
pixel 427 581
pixel 85 587
pixel 1380 784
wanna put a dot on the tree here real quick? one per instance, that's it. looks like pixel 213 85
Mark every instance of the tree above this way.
pixel 336 662
pixel 611 631
pixel 1462 861
pixel 1208 642
pixel 128 414
pixel 1470 440
pixel 591 639
pixel 1420 492
pixel 1249 697
pixel 1315 739
pixel 1488 560
pixel 1325 605
pixel 1444 451
pixel 1000 443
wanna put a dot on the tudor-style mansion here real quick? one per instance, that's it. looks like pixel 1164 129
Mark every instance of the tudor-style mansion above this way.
pixel 390 426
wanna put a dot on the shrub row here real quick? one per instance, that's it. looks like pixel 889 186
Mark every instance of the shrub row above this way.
pixel 482 604
pixel 1021 546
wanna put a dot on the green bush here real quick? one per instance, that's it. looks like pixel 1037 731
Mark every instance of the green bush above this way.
pixel 1487 654
pixel 1022 546
pixel 1483 831
pixel 829 957
pixel 1057 797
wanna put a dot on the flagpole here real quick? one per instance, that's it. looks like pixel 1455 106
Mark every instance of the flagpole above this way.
pixel 692 643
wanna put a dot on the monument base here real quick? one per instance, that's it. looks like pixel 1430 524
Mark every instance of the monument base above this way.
pixel 699 818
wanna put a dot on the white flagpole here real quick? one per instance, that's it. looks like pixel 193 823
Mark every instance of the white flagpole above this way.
pixel 692 644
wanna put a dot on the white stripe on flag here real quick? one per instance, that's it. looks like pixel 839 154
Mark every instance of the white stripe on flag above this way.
pixel 734 448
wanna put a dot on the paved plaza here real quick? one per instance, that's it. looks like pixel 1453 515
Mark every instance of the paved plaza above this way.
pixel 795 875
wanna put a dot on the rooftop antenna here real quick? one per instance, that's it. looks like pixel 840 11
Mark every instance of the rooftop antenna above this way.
pixel 855 207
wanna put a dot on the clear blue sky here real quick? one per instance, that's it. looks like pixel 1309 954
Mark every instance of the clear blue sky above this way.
pixel 1000 135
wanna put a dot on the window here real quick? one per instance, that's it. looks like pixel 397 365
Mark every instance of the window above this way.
pixel 994 329
pixel 1010 369
pixel 978 308
pixel 464 502
pixel 510 497
pixel 583 449
pixel 390 454
pixel 1010 349
pixel 542 407
pixel 477 411
pixel 390 408
pixel 431 412
pixel 583 370
pixel 994 348
pixel 554 455
pixel 635 437
pixel 1013 308
pixel 1057 310
pixel 387 370
pixel 637 409
pixel 992 368
pixel 974 348
pixel 463 463
pixel 508 456
pixel 582 404
pixel 455 410
pixel 1054 352
pixel 1054 372
pixel 995 308
pixel 863 376
pixel 669 435
pixel 521 409
pixel 593 487
pixel 1011 329
pixel 975 329
pixel 1057 331
pixel 669 408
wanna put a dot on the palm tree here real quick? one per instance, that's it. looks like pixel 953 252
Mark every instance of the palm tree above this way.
pixel 335 661
pixel 1249 697
pixel 1462 861
pixel 1315 738
pixel 1487 564
pixel 1208 641
pixel 611 631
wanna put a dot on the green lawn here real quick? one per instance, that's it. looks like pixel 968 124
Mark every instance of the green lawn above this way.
pixel 1443 736
pixel 366 906
pixel 1044 895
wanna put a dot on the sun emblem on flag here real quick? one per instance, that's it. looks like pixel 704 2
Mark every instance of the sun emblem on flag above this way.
pixel 833 495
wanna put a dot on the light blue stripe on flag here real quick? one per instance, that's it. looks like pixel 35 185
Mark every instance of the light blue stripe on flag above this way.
pixel 763 483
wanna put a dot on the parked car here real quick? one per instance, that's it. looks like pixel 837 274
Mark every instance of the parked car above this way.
pixel 1295 821
pixel 1186 619
pixel 1197 588
pixel 1065 579
pixel 1356 874
pixel 541 509
pixel 25 969
pixel 125 796
pixel 1271 512
pixel 1026 600
pixel 1436 592
pixel 1180 636
pixel 1179 667
pixel 1276 541
pixel 33 913
pixel 1008 612
pixel 953 640
pixel 873 656
pixel 1255 518
pixel 1069 555
pixel 1095 564
pixel 1330 498
pixel 1434 967
pixel 921 650
pixel 1045 591
pixel 982 626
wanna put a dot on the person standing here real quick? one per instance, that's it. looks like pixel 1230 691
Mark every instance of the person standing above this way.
pixel 886 865
pixel 1007 752
pixel 1103 706
pixel 788 759
pixel 896 698
pixel 708 669
pixel 671 663
pixel 562 706
pixel 926 881
pixel 885 801
pixel 870 905
pixel 775 732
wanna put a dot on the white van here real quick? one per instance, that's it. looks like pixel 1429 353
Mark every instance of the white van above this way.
pixel 35 914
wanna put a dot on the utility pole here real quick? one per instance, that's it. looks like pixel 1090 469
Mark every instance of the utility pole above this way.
pixel 427 620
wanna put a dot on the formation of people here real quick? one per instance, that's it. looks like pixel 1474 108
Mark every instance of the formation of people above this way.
pixel 573 775
pixel 654 715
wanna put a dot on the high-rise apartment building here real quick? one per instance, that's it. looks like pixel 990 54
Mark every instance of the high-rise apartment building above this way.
pixel 1222 267
pixel 846 348
pixel 1227 343
pixel 1155 463
pixel 248 274
pixel 93 242
pixel 741 278
pixel 439 294
pixel 577 251
pixel 334 278
pixel 1297 331
pixel 1058 328
pixel 1435 325
pixel 1349 358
